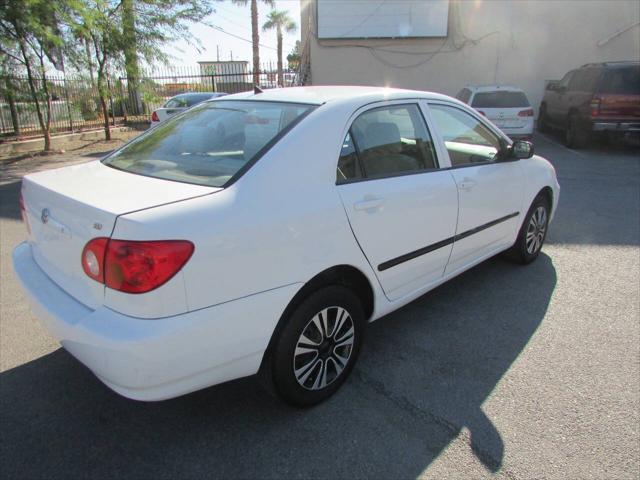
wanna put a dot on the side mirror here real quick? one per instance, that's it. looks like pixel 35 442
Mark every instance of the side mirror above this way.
pixel 521 149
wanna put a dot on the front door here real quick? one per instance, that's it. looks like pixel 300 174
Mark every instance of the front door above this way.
pixel 401 206
pixel 490 193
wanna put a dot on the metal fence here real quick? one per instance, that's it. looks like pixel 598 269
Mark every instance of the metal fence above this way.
pixel 75 102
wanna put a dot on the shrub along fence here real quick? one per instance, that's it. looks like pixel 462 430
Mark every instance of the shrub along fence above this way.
pixel 72 102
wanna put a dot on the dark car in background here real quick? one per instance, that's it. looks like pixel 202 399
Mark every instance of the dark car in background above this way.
pixel 597 98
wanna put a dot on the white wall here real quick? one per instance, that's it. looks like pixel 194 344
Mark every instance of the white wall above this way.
pixel 523 42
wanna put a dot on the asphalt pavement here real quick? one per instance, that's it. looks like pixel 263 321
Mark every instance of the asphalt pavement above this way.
pixel 506 371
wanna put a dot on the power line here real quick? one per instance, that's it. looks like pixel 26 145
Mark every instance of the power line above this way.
pixel 222 30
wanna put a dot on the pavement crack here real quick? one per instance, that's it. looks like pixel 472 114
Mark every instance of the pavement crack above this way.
pixel 489 460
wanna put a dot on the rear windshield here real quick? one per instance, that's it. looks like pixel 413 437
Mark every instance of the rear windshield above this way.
pixel 623 81
pixel 500 99
pixel 208 144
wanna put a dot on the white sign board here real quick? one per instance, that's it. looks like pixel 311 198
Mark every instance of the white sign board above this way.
pixel 382 18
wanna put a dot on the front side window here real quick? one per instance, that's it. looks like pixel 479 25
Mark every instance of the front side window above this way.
pixel 208 144
pixel 390 141
pixel 467 140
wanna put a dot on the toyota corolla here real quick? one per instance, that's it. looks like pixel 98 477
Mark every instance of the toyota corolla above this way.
pixel 261 232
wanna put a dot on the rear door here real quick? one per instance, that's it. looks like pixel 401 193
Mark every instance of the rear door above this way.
pixel 401 206
pixel 490 193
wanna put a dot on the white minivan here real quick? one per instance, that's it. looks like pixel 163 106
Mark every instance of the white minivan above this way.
pixel 506 106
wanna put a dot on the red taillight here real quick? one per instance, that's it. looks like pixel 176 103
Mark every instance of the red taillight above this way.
pixel 93 258
pixel 595 106
pixel 482 113
pixel 134 266
pixel 526 113
pixel 154 117
pixel 23 213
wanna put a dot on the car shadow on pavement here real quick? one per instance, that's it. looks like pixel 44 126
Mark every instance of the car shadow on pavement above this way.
pixel 420 383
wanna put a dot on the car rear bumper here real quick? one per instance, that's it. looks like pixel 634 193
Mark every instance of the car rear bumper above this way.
pixel 156 359
pixel 614 126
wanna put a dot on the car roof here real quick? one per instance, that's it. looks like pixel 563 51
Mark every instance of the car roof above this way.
pixel 319 95
pixel 493 88
pixel 620 64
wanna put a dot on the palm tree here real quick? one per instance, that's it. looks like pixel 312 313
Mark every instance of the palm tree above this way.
pixel 255 37
pixel 280 20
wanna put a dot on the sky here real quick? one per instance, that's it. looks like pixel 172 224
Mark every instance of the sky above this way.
pixel 235 20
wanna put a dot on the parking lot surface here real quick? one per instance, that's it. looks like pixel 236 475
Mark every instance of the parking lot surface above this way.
pixel 506 371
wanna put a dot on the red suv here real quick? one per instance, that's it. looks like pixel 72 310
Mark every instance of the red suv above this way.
pixel 597 97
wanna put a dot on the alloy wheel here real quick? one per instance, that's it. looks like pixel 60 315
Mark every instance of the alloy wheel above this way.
pixel 324 348
pixel 536 230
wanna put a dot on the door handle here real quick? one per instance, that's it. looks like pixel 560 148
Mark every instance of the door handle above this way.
pixel 369 204
pixel 467 184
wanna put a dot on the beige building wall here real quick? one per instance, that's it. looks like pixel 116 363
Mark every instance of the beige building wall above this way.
pixel 520 42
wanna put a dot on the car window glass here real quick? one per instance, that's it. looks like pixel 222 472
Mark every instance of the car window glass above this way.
pixel 348 164
pixel 393 140
pixel 622 81
pixel 565 80
pixel 176 102
pixel 192 100
pixel 467 140
pixel 207 144
pixel 500 99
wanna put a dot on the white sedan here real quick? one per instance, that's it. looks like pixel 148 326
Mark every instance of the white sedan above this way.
pixel 262 232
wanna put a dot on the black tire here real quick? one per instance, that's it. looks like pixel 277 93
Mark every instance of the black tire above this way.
pixel 286 368
pixel 521 251
pixel 575 136
pixel 543 124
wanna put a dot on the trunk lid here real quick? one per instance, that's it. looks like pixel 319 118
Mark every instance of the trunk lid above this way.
pixel 67 207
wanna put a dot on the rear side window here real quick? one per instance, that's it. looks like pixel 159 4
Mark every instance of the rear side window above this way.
pixel 622 81
pixel 208 144
pixel 500 99
pixel 387 141
pixel 585 80
pixel 348 163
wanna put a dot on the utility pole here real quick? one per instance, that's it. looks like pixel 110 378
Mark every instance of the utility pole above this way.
pixel 218 53
pixel 231 54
